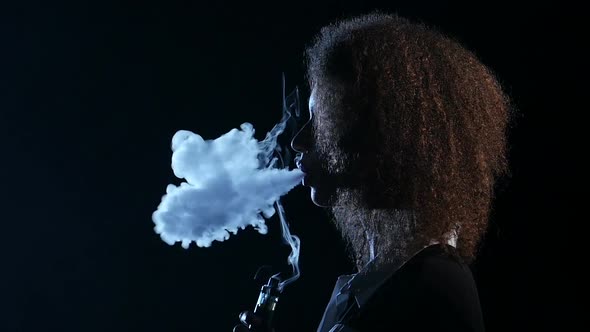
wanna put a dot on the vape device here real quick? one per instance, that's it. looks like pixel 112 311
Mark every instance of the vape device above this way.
pixel 267 301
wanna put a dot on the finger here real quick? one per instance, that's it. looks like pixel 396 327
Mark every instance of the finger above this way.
pixel 248 318
pixel 240 328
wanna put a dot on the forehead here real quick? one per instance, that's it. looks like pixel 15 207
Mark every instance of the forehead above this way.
pixel 312 97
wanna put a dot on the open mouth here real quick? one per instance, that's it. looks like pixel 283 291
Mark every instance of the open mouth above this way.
pixel 301 167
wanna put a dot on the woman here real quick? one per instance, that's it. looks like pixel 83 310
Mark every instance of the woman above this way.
pixel 406 138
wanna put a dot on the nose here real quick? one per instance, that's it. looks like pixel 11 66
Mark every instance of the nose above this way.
pixel 301 141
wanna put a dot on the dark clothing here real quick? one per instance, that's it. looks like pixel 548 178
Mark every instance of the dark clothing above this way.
pixel 432 291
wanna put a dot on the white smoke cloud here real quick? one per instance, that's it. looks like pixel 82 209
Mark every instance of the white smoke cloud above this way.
pixel 231 182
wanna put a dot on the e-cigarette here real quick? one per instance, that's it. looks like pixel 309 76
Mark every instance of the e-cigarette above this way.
pixel 267 301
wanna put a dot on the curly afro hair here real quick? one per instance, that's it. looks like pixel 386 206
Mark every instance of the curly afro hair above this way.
pixel 428 120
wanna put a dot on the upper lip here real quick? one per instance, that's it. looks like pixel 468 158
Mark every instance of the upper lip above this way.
pixel 300 165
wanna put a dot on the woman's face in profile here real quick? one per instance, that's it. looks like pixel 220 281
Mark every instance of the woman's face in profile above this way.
pixel 318 152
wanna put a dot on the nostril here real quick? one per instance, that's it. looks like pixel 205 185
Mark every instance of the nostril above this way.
pixel 299 144
pixel 295 145
pixel 300 141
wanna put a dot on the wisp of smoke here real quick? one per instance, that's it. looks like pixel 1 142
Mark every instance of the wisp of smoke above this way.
pixel 232 182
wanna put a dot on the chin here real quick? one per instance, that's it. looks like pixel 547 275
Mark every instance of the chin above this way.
pixel 319 198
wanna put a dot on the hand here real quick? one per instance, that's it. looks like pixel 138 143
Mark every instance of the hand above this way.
pixel 247 318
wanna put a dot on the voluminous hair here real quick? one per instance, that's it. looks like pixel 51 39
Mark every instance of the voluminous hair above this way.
pixel 428 120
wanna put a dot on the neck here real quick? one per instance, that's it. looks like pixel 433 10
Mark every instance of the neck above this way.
pixel 384 232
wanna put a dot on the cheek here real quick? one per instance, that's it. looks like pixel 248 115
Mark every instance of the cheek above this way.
pixel 335 162
pixel 329 153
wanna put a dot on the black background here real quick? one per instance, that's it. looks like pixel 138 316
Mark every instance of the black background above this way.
pixel 91 94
